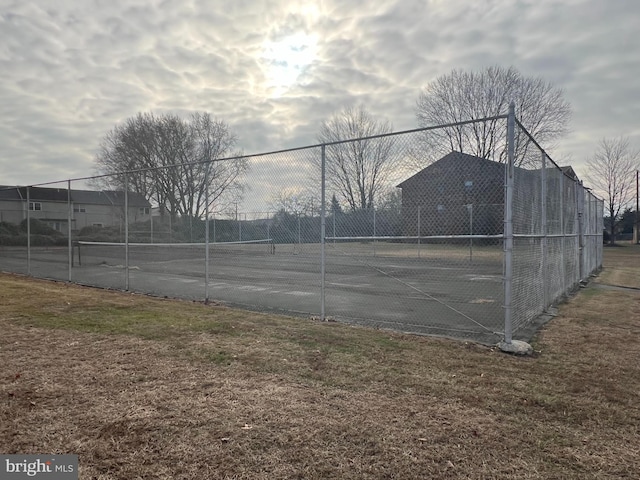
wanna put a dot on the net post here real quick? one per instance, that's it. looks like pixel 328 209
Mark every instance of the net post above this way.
pixel 374 229
pixel 470 210
pixel 374 219
pixel 126 231
pixel 322 232
pixel 508 226
pixel 333 216
pixel 419 231
pixel 69 219
pixel 28 231
pixel 206 234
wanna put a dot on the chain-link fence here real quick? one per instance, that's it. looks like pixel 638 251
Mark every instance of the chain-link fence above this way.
pixel 380 231
pixel 557 233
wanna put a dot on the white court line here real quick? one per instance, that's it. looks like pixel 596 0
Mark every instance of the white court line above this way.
pixel 251 288
pixel 297 293
pixel 484 278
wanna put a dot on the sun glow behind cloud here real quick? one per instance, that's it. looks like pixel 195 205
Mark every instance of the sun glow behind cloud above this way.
pixel 285 60
pixel 71 70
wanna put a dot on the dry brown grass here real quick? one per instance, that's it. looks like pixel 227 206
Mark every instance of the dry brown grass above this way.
pixel 622 266
pixel 148 388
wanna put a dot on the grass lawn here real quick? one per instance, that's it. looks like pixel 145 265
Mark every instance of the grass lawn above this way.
pixel 141 387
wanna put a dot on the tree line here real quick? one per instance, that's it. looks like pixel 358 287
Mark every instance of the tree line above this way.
pixel 174 162
pixel 191 166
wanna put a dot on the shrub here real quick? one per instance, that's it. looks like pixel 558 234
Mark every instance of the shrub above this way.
pixel 7 228
pixel 38 227
pixel 13 240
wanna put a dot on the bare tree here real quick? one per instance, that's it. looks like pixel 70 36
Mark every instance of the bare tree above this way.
pixel 173 162
pixel 611 172
pixel 460 96
pixel 357 169
pixel 295 201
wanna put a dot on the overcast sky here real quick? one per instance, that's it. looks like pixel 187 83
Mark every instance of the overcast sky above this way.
pixel 275 69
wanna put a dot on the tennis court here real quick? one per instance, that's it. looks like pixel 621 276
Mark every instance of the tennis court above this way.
pixel 432 289
pixel 454 245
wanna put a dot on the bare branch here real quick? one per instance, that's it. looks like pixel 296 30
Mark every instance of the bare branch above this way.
pixel 612 175
pixel 356 170
pixel 171 159
pixel 461 95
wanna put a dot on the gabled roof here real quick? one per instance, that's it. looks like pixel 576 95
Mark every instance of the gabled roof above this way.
pixel 116 197
pixel 458 161
pixel 44 194
pixel 461 162
pixel 569 172
pixel 88 197
pixel 9 193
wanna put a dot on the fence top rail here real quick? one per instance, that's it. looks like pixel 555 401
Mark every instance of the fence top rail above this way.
pixel 275 152
pixel 542 150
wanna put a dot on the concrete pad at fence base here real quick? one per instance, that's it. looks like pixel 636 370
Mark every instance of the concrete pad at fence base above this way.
pixel 516 347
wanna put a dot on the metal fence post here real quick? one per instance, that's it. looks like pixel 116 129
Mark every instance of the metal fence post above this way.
pixel 600 209
pixel 563 243
pixel 589 224
pixel 637 229
pixel 206 234
pixel 580 205
pixel 28 231
pixel 544 232
pixel 126 231
pixel 69 219
pixel 508 226
pixel 322 232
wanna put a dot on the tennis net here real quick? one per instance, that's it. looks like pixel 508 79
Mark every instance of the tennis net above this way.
pixel 88 253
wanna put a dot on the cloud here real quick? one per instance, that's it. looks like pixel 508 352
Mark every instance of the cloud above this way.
pixel 73 69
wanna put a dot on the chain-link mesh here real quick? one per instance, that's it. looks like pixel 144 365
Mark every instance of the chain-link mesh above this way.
pixel 557 234
pixel 13 229
pixel 413 241
pixel 427 256
pixel 34 230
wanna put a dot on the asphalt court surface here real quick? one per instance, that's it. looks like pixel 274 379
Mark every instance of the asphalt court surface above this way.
pixel 455 292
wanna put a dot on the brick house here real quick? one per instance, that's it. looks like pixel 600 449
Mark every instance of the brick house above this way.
pixel 456 195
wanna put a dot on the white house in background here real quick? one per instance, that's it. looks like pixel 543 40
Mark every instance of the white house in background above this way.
pixel 88 207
